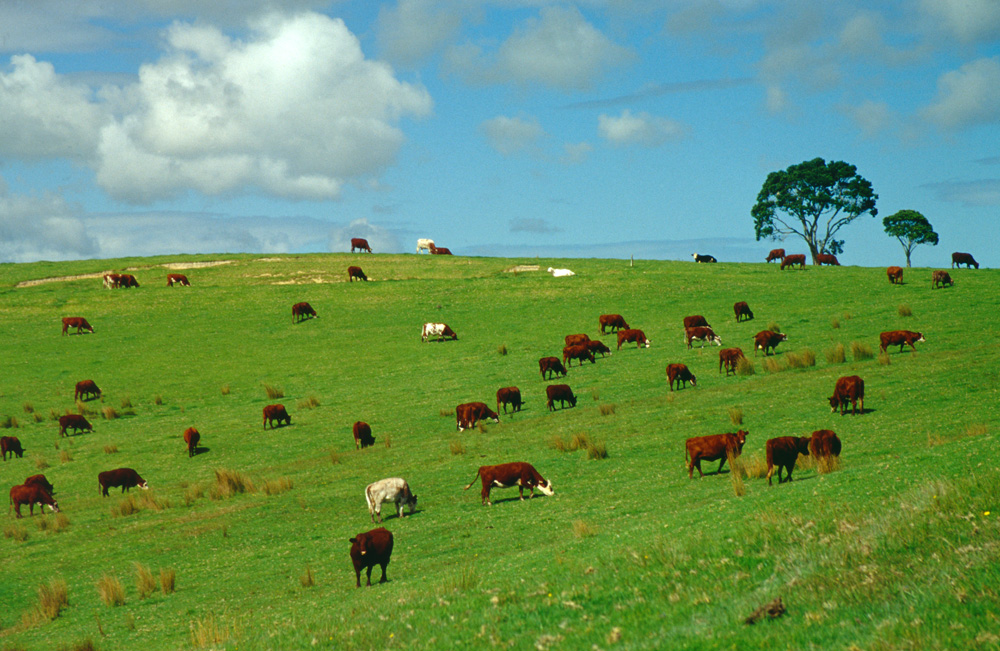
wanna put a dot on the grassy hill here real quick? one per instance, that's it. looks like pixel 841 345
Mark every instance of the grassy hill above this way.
pixel 895 549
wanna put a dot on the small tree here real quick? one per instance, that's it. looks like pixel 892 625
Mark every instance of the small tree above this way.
pixel 813 200
pixel 910 228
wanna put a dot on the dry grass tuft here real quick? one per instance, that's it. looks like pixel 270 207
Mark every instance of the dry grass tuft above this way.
pixel 229 483
pixel 167 580
pixel 736 473
pixel 7 422
pixel 84 409
pixel 753 467
pixel 309 403
pixel 192 493
pixel 41 463
pixel 456 447
pixel 736 415
pixel 145 582
pixel 861 351
pixel 15 532
pixel 65 456
pixel 598 450
pixel 52 598
pixel 28 408
pixel 904 310
pixel 273 392
pixel 334 457
pixel 583 530
pixel 556 443
pixel 387 440
pixel 502 349
pixel 109 412
pixel 307 579
pixel 111 591
pixel 37 417
pixel 54 414
pixel 802 359
pixel 976 429
pixel 157 399
pixel 578 441
pixel 126 507
pixel 277 486
pixel 225 389
pixel 883 358
pixel 126 403
pixel 773 327
pixel 772 365
pixel 835 323
pixel 445 413
pixel 836 355
pixel 826 464
pixel 745 367
pixel 607 409
pixel 110 449
pixel 595 394
pixel 209 632
pixel 60 522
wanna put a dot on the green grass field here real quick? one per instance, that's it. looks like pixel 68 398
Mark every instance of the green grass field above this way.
pixel 896 549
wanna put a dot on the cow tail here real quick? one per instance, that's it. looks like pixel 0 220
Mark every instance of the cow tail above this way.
pixel 368 498
pixel 473 479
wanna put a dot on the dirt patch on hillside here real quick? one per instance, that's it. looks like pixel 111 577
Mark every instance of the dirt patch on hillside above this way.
pixel 193 265
pixel 168 265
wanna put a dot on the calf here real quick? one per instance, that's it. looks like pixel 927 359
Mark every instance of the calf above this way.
pixel 824 443
pixel 370 549
pixel 712 447
pixel 730 359
pixel 31 494
pixel 77 322
pixel 703 334
pixel 940 279
pixel 551 365
pixel 613 321
pixel 822 259
pixel 505 475
pixel 695 321
pixel 11 445
pixel 362 435
pixel 440 250
pixel 560 392
pixel 901 337
pixel 76 422
pixel 895 275
pixel 681 374
pixel 848 389
pixel 509 396
pixel 191 438
pixel 775 254
pixel 703 258
pixel 783 452
pixel 598 347
pixel 303 311
pixel 575 340
pixel 124 477
pixel 578 352
pixel 41 482
pixel 439 330
pixel 630 335
pixel 179 279
pixel 794 259
pixel 395 490
pixel 85 388
pixel 355 272
pixel 766 339
pixel 958 259
pixel 276 413
pixel 361 244
pixel 470 413
pixel 742 311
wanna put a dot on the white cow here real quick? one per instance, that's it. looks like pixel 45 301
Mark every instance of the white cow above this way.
pixel 439 330
pixel 424 244
pixel 393 489
pixel 560 272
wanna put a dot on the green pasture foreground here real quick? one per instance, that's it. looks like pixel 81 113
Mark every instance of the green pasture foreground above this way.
pixel 895 549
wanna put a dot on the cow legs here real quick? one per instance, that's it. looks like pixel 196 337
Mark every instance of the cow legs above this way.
pixel 370 574
pixel 722 462
pixel 383 579
pixel 520 492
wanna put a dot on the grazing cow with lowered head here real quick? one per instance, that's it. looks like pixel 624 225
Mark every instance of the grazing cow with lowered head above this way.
pixel 826 258
pixel 112 281
pixel 440 250
pixel 782 452
pixel 362 435
pixel 361 244
pixel 730 359
pixel 31 494
pixel 509 396
pixel 598 347
pixel 424 244
pixel 742 311
pixel 85 388
pixel 470 413
pixel 11 445
pixel 127 478
pixel 613 321
pixel 369 549
pixel 552 366
pixel 76 422
pixel 848 389
pixel 573 340
pixel 41 482
pixel 77 322
pixel 191 438
pixel 824 443
pixel 630 335
pixel 901 337
pixel 393 489
pixel 958 259
pixel 766 339
pixel 775 254
pixel 703 334
pixel 711 448
pixel 703 258
pixel 439 330
pixel 695 321
pixel 560 392
pixel 578 352
pixel 681 374
pixel 794 259
pixel 128 280
pixel 505 475
pixel 940 279
pixel 355 272
pixel 895 275
pixel 276 413
pixel 178 279
pixel 302 311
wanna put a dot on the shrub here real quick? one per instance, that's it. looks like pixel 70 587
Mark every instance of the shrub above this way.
pixel 836 355
pixel 111 591
pixel 607 409
pixel 861 351
pixel 229 483
pixel 456 447
pixel 145 582
pixel 502 349
pixel 307 580
pixel 745 367
pixel 167 579
pixel 110 449
pixel 277 486
pixel 736 415
pixel 904 310
pixel 273 392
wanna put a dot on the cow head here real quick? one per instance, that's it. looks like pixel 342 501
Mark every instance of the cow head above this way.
pixel 802 445
pixel 412 503
pixel 546 486
pixel 716 339
pixel 142 484
pixel 834 402
pixel 360 544
pixel 741 438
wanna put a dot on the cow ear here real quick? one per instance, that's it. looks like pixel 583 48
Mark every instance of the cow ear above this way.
pixel 353 540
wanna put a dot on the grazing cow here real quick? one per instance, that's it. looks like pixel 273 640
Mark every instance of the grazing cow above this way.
pixel 76 422
pixel 712 447
pixel 509 396
pixel 895 275
pixel 362 435
pixel 730 359
pixel 696 321
pixel 505 475
pixel 940 279
pixel 681 374
pixel 630 335
pixel 303 311
pixel 613 321
pixel 767 339
pixel 41 482
pixel 551 365
pixel 355 272
pixel 558 273
pixel 822 259
pixel 440 250
pixel 901 337
pixel 775 254
pixel 179 279
pixel 560 392
pixel 703 258
pixel 77 322
pixel 958 259
pixel 86 388
pixel 11 445
pixel 124 477
pixel 393 489
pixel 370 549
pixel 439 330
pixel 580 352
pixel 848 389
pixel 783 452
pixel 598 347
pixel 742 311
pixel 704 334
pixel 573 340
pixel 192 437
pixel 361 244
pixel 794 259
pixel 112 281
pixel 824 443
pixel 276 413
pixel 31 495
pixel 470 413
pixel 424 244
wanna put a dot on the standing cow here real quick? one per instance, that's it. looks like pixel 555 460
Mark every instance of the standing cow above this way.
pixel 711 448
pixel 355 272
pixel 742 311
pixel 86 390
pixel 505 475
pixel 77 322
pixel 895 275
pixel 826 258
pixel 302 311
pixel 178 279
pixel 630 335
pixel 125 477
pixel 680 374
pixel 614 321
pixel 824 443
pixel 958 259
pixel 393 489
pixel 901 337
pixel 276 413
pixel 766 339
pixel 775 254
pixel 940 279
pixel 11 445
pixel 439 330
pixel 703 334
pixel 31 494
pixel 470 413
pixel 695 321
pixel 848 389
pixel 362 435
pixel 782 452
pixel 509 396
pixel 794 259
pixel 361 244
pixel 424 244
pixel 730 359
pixel 369 549
pixel 552 366
pixel 76 422
pixel 191 438
pixel 560 392
pixel 703 258
pixel 578 352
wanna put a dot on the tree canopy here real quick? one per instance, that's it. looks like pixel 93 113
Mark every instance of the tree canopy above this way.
pixel 910 228
pixel 813 200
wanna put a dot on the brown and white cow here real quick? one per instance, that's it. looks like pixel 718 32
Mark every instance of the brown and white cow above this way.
pixel 552 366
pixel 509 396
pixel 895 275
pixel 958 259
pixel 112 280
pixel 393 489
pixel 851 389
pixel 302 311
pixel 560 392
pixel 470 413
pixel 940 279
pixel 630 335
pixel 191 438
pixel 775 254
pixel 824 443
pixel 361 244
pixel 31 494
pixel 614 321
pixel 505 475
pixel 729 358
pixel 766 339
pixel 794 259
pixel 276 413
pixel 742 311
pixel 703 334
pixel 369 549
pixel 711 448
pixel 579 352
pixel 127 478
pixel 575 340
pixel 362 435
pixel 178 279
pixel 85 388
pixel 439 330
pixel 681 374
pixel 695 321
pixel 901 337
pixel 77 322
pixel 11 445
pixel 425 244
pixel 782 452
pixel 76 422
pixel 355 272
pixel 598 347
pixel 826 258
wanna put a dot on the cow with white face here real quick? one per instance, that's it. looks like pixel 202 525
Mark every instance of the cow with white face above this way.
pixel 439 330
pixel 424 244
pixel 393 489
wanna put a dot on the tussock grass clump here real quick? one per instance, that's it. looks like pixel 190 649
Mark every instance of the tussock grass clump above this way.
pixel 126 403
pixel 802 359
pixel 861 352
pixel 28 408
pixel 110 449
pixel 277 486
pixel 84 409
pixel 157 399
pixel 86 644
pixel 772 365
pixel 167 580
pixel 43 524
pixel 466 579
pixel 307 579
pixel 976 429
pixel 15 532
pixel 736 474
pixel 773 327
pixel 41 463
pixel 595 394
pixel 145 582
pixel 607 409
pixel 827 464
pixel 597 450
pixel 445 413
pixel 388 439
pixel 578 441
pixel 111 591
pixel 229 483
pixel 836 355
pixel 37 417
pixel 334 457
pixel 65 456
pixel 309 403
pixel 557 443
pixel 502 350
pixel 753 467
pixel 745 367
pixel 736 415
pixel 52 598
pixel 8 422
pixel 456 447
pixel 835 323
pixel 583 530
pixel 60 522
pixel 126 507
pixel 273 392
pixel 209 631
pixel 192 493
pixel 225 389
pixel 904 310
pixel 883 358
pixel 54 414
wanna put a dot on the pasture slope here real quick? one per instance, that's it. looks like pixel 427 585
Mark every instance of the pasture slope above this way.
pixel 896 549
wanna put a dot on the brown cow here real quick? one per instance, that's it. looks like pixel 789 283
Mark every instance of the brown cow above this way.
pixel 825 258
pixel 302 311
pixel 702 334
pixel 361 244
pixel 560 392
pixel 824 443
pixel 901 337
pixel 851 389
pixel 470 413
pixel 630 335
pixel 730 359
pixel 794 259
pixel 127 478
pixel 598 347
pixel 775 254
pixel 76 422
pixel 742 311
pixel 11 445
pixel 179 279
pixel 355 272
pixel 681 374
pixel 767 339
pixel 783 452
pixel 613 321
pixel 509 396
pixel 958 259
pixel 695 321
pixel 940 279
pixel 31 494
pixel 369 549
pixel 362 435
pixel 579 352
pixel 440 250
pixel 551 365
pixel 505 475
pixel 895 275
pixel 191 438
pixel 574 340
pixel 112 281
pixel 86 388
pixel 276 413
pixel 41 482
pixel 77 322
pixel 712 447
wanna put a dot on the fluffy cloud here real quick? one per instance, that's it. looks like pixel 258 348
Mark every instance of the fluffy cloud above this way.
pixel 41 228
pixel 640 129
pixel 414 29
pixel 576 153
pixel 382 240
pixel 873 118
pixel 966 20
pixel 967 96
pixel 512 135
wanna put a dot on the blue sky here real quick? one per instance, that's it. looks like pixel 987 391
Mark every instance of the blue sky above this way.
pixel 506 127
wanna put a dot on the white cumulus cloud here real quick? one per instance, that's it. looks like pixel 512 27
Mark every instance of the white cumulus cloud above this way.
pixel 41 228
pixel 967 96
pixel 966 20
pixel 639 129
pixel 413 29
pixel 382 240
